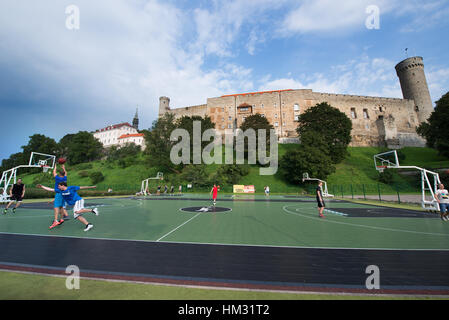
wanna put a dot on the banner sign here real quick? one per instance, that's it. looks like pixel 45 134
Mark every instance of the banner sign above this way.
pixel 244 189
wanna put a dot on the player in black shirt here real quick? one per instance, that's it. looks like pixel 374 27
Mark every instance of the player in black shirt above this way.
pixel 16 194
pixel 320 200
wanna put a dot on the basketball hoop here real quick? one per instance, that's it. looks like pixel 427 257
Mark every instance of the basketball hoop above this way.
pixel 45 168
pixel 381 168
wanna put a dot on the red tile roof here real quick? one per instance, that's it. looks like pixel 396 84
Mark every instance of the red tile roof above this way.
pixel 115 126
pixel 252 93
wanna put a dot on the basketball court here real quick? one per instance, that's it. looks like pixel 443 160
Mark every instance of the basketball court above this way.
pixel 245 241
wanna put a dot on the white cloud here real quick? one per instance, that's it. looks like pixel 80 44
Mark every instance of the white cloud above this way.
pixel 330 16
pixel 363 76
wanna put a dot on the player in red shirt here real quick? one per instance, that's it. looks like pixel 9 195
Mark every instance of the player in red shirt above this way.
pixel 214 193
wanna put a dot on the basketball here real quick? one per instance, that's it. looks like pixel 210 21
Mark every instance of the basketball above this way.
pixel 61 160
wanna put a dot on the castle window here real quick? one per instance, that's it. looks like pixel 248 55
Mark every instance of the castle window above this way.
pixel 353 114
pixel 276 124
pixel 230 118
pixel 381 109
pixel 296 107
pixel 365 114
pixel 261 105
pixel 275 115
pixel 417 109
pixel 367 126
pixel 229 126
pixel 296 118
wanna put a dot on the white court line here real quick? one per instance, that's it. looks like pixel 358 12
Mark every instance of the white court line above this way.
pixel 178 227
pixel 365 226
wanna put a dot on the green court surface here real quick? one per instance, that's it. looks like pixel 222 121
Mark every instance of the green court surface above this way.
pixel 251 220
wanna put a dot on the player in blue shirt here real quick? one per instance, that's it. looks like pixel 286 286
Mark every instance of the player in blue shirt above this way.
pixel 72 198
pixel 59 204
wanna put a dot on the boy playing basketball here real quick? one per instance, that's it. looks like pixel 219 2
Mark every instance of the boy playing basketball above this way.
pixel 72 198
pixel 319 199
pixel 214 193
pixel 16 193
pixel 59 204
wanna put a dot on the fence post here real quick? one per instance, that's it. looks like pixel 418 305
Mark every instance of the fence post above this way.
pixel 364 193
pixel 399 198
pixel 378 189
pixel 352 192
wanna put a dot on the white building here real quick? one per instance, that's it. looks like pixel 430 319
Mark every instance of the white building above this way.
pixel 111 135
pixel 136 138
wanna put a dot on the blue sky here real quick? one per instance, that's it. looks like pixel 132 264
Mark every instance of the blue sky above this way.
pixel 126 54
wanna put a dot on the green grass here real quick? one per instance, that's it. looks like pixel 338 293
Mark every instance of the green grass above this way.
pixel 356 170
pixel 15 286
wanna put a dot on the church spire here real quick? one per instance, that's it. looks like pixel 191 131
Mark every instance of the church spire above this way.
pixel 136 121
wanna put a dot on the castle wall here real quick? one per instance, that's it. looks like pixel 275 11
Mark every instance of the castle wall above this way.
pixel 376 121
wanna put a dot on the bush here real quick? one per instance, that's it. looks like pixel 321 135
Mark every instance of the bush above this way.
pixel 83 174
pixel 44 178
pixel 96 177
pixel 386 176
pixel 84 166
pixel 230 174
pixel 305 159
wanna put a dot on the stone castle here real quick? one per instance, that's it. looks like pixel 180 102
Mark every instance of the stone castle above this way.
pixel 376 121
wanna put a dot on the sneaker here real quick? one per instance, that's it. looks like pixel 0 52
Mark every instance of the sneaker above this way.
pixel 88 227
pixel 13 210
pixel 66 218
pixel 322 216
pixel 60 221
pixel 95 211
pixel 55 223
pixel 445 218
pixel 5 211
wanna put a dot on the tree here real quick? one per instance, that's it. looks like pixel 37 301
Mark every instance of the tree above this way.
pixel 230 174
pixel 305 159
pixel 42 144
pixel 14 160
pixel 186 123
pixel 436 129
pixel 158 144
pixel 330 123
pixel 81 147
pixel 196 175
pixel 256 122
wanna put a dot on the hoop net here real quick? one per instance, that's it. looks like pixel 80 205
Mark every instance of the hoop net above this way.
pixel 305 177
pixel 45 168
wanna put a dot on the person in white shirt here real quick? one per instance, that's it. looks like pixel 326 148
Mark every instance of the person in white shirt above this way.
pixel 442 197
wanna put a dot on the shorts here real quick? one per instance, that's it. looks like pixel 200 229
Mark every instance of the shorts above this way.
pixel 59 201
pixel 444 207
pixel 321 204
pixel 79 205
pixel 17 197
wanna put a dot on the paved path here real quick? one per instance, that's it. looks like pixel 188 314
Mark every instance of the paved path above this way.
pixel 405 198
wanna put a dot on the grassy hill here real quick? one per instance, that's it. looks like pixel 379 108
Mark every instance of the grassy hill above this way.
pixel 355 172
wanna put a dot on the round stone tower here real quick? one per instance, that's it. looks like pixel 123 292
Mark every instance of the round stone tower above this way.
pixel 414 86
pixel 164 105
